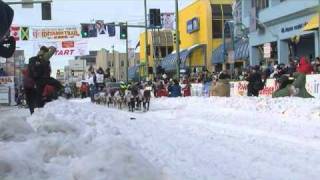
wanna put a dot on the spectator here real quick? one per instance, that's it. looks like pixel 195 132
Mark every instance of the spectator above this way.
pixel 175 89
pixel 255 82
pixel 304 66
pixel 2 72
pixel 222 87
pixel 316 68
pixel 83 90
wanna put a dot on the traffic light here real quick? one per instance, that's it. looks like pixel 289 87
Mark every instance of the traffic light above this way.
pixel 58 72
pixel 111 29
pixel 155 18
pixel 46 10
pixel 123 31
pixel 84 31
pixel 175 38
pixel 72 72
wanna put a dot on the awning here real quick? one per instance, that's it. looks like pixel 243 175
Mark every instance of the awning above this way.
pixel 241 51
pixel 169 63
pixel 312 24
pixel 133 72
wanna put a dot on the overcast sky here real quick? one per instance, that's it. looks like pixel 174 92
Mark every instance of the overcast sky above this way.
pixel 74 12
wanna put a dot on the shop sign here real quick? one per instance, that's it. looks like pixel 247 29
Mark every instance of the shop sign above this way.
pixel 292 28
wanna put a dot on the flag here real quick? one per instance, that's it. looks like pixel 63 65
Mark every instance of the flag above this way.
pixel 15 32
pixel 100 26
pixel 111 29
pixel 24 33
pixel 92 30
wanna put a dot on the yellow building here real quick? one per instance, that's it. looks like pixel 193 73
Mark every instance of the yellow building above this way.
pixel 200 25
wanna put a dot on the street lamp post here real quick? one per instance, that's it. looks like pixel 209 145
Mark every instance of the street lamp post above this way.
pixel 178 38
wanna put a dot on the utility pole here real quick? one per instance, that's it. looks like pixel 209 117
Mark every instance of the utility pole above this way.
pixel 178 39
pixel 127 56
pixel 146 36
pixel 319 29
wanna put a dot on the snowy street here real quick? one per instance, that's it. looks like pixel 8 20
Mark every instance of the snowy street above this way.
pixel 179 139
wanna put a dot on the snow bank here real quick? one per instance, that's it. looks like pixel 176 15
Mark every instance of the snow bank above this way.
pixel 192 138
pixel 60 142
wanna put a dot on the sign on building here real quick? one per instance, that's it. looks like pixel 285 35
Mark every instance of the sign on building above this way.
pixel 267 50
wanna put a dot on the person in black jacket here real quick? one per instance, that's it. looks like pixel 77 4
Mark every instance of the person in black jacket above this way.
pixel 40 71
pixel 7 51
pixel 6 17
pixel 255 82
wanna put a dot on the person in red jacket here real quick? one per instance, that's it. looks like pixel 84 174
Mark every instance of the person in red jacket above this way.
pixel 161 91
pixel 304 66
pixel 187 89
pixel 84 90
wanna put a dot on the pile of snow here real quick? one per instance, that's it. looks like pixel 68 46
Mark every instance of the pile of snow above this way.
pixel 66 145
pixel 179 139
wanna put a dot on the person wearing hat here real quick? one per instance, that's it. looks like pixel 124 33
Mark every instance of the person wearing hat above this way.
pixel 255 82
pixel 6 17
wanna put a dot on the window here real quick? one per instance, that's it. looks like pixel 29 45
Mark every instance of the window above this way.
pixel 261 4
pixel 217 28
pixel 220 14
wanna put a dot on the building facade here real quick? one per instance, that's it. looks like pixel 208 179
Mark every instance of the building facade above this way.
pixel 115 62
pixel 160 44
pixel 279 29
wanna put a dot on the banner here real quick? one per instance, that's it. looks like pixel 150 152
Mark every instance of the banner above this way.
pixel 313 85
pixel 240 88
pixel 7 81
pixel 168 20
pixel 56 33
pixel 15 32
pixel 65 48
pixel 25 33
pixel 101 27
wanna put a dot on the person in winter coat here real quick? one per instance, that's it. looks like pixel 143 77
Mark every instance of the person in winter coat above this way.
pixel 297 88
pixel 186 89
pixel 40 71
pixel 6 17
pixel 67 91
pixel 7 51
pixel 255 82
pixel 221 88
pixel 83 90
pixel 304 66
pixel 175 89
pixel 30 90
pixel 161 90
